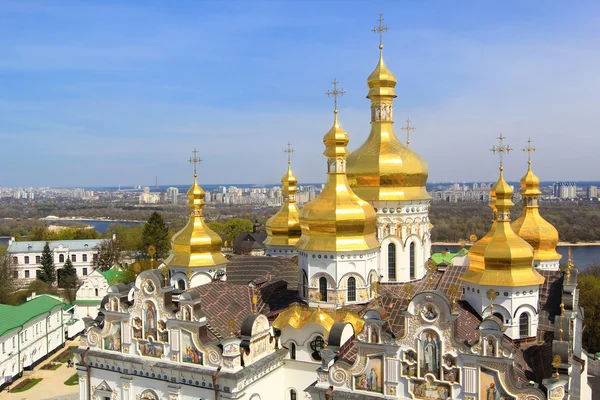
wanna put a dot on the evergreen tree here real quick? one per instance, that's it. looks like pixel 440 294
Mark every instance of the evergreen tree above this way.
pixel 155 234
pixel 68 274
pixel 48 270
pixel 6 280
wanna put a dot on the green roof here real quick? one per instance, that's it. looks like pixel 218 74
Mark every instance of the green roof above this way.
pixel 113 275
pixel 447 257
pixel 16 316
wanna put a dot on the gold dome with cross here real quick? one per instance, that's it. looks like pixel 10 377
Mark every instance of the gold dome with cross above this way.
pixel 383 168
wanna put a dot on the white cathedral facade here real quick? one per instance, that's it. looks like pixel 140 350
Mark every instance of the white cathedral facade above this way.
pixel 349 304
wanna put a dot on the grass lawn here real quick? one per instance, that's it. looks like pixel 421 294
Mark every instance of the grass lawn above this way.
pixel 73 380
pixel 25 384
pixel 64 355
pixel 51 366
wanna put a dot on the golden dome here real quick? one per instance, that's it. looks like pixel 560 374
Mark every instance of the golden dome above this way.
pixel 196 245
pixel 507 259
pixel 337 219
pixel 530 226
pixel 283 228
pixel 476 252
pixel 383 168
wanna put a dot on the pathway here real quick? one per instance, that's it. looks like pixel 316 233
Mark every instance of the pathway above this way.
pixel 52 385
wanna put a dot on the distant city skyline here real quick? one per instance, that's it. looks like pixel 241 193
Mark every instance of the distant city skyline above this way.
pixel 102 94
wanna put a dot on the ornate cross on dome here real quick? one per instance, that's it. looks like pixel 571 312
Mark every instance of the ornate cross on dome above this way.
pixel 195 160
pixel 501 149
pixel 529 150
pixel 380 29
pixel 408 128
pixel 289 151
pixel 335 93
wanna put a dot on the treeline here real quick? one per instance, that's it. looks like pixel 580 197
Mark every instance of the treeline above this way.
pixel 576 222
pixel 588 283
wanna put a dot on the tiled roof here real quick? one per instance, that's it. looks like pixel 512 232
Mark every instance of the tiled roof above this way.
pixel 38 246
pixel 224 301
pixel 15 316
pixel 241 270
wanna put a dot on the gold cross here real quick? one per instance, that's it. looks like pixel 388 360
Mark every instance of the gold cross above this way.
pixel 195 160
pixel 408 128
pixel 380 29
pixel 289 151
pixel 501 149
pixel 491 295
pixel 335 93
pixel 529 150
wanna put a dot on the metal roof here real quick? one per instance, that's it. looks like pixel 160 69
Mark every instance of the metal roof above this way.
pixel 38 246
pixel 16 316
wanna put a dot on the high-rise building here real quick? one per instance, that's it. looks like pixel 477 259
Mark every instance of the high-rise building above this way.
pixel 592 192
pixel 172 194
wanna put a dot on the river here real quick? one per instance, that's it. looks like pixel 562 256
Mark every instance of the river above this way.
pixel 583 256
pixel 99 225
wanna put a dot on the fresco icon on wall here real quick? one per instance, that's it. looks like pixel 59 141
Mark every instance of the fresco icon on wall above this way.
pixel 150 320
pixel 372 378
pixel 430 353
pixel 489 387
pixel 151 349
pixel 113 342
pixel 190 354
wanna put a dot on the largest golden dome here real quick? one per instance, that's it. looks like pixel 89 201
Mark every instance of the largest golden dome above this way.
pixel 283 228
pixel 337 219
pixel 196 245
pixel 507 259
pixel 383 168
pixel 530 226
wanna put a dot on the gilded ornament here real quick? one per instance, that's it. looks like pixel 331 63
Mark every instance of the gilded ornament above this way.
pixel 196 245
pixel 502 258
pixel 337 219
pixel 383 168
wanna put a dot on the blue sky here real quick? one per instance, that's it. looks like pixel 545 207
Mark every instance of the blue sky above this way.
pixel 117 92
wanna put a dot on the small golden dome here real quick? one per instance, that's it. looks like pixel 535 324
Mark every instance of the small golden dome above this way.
pixel 507 259
pixel 381 82
pixel 383 168
pixel 283 228
pixel 337 219
pixel 196 245
pixel 531 226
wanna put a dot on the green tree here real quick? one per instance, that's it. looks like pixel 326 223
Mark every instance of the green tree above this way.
pixel 235 226
pixel 155 234
pixel 109 253
pixel 132 271
pixel 589 299
pixel 130 237
pixel 6 280
pixel 48 270
pixel 218 227
pixel 68 271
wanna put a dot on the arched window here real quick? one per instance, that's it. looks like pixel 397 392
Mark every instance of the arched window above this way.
pixel 499 316
pixel 524 325
pixel 181 284
pixel 351 289
pixel 323 288
pixel 293 351
pixel 61 258
pixel 293 394
pixel 412 261
pixel 96 292
pixel 304 284
pixel 391 262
